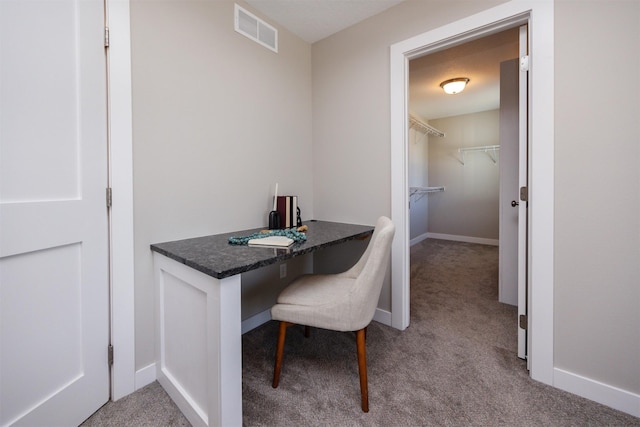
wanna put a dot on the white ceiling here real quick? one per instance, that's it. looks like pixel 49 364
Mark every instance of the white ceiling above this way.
pixel 314 20
pixel 479 60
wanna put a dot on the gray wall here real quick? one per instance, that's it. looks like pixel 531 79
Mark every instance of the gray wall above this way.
pixel 192 130
pixel 469 205
pixel 217 121
pixel 351 128
pixel 597 197
pixel 597 188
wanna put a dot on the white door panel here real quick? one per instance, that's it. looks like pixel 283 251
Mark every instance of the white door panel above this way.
pixel 508 243
pixel 523 179
pixel 513 176
pixel 28 227
pixel 54 296
pixel 40 89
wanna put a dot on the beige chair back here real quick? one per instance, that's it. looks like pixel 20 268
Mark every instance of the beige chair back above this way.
pixel 370 271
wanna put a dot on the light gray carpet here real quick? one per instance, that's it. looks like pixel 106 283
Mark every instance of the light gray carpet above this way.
pixel 455 365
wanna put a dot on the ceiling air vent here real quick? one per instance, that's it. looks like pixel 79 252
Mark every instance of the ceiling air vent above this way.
pixel 247 24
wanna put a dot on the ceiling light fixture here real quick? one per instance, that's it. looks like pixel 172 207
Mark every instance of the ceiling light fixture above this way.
pixel 453 86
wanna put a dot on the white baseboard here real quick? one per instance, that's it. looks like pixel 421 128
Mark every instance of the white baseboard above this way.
pixel 145 376
pixel 418 239
pixel 467 239
pixel 382 316
pixel 256 320
pixel 605 394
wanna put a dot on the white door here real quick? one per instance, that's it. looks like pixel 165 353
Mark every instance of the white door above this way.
pixel 509 183
pixel 512 286
pixel 54 296
pixel 523 179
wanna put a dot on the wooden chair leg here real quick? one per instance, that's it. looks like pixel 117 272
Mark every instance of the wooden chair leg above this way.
pixel 282 334
pixel 365 333
pixel 362 367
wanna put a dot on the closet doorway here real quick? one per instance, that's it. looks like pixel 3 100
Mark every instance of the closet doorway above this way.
pixel 540 116
pixel 464 168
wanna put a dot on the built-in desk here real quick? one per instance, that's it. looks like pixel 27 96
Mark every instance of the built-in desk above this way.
pixel 198 327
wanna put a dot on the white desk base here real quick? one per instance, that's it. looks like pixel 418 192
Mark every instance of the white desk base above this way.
pixel 196 356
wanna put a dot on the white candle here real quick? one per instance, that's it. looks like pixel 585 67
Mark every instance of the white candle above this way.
pixel 275 198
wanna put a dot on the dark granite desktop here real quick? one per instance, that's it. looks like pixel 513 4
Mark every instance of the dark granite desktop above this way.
pixel 216 257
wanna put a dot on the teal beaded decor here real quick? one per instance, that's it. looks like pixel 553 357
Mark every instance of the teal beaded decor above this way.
pixel 291 233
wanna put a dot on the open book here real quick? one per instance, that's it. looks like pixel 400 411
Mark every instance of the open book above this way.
pixel 279 241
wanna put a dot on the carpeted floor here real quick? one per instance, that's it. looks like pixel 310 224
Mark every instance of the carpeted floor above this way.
pixel 455 365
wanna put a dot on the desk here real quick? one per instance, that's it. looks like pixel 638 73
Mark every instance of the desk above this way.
pixel 198 315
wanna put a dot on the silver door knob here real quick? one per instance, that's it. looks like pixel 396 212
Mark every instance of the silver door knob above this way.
pixel 514 203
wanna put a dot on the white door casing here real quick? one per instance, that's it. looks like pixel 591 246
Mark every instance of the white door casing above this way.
pixel 540 253
pixel 54 295
pixel 123 373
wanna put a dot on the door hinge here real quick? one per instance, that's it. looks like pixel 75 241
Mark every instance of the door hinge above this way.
pixel 524 322
pixel 524 194
pixel 110 355
pixel 106 36
pixel 109 197
pixel 524 63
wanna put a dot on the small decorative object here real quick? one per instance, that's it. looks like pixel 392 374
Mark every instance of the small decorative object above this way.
pixel 274 215
pixel 274 220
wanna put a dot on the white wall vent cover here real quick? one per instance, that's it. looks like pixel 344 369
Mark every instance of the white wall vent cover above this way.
pixel 247 24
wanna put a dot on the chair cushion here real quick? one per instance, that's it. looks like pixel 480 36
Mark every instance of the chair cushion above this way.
pixel 313 290
pixel 345 301
pixel 321 301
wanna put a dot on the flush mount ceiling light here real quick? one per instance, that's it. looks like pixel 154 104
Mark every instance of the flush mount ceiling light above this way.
pixel 453 86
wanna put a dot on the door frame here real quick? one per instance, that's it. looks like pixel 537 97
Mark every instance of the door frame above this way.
pixel 539 17
pixel 123 372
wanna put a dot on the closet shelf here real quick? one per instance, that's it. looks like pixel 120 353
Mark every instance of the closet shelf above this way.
pixel 420 192
pixel 424 128
pixel 490 150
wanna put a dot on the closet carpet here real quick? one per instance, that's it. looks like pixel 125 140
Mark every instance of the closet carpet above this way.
pixel 455 365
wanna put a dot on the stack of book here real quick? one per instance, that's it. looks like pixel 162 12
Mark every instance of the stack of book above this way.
pixel 287 207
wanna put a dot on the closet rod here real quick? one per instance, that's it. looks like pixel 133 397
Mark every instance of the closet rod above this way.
pixel 424 128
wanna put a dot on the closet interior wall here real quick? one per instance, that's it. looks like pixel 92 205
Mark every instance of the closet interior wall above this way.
pixel 468 209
